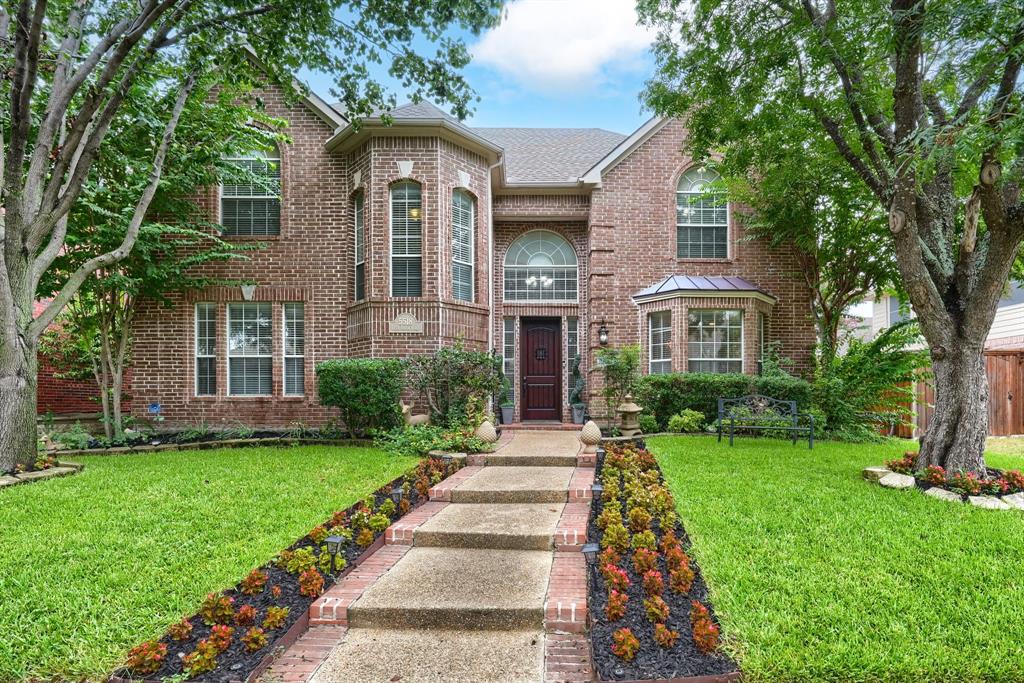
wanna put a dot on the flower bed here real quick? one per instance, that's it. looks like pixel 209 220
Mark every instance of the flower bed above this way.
pixel 235 631
pixel 651 616
pixel 996 483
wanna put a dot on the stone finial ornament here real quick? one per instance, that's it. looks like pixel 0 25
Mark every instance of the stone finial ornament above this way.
pixel 590 435
pixel 486 433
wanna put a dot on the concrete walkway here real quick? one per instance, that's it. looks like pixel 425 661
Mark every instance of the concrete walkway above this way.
pixel 493 587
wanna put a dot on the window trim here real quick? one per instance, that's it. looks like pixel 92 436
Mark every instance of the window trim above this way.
pixel 227 340
pixel 472 246
pixel 728 221
pixel 359 226
pixel 650 342
pixel 741 359
pixel 280 197
pixel 195 348
pixel 284 349
pixel 391 239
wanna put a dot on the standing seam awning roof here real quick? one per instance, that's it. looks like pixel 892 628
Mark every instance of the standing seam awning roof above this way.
pixel 701 283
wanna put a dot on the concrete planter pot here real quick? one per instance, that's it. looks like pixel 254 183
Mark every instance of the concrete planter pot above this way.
pixel 507 415
pixel 579 411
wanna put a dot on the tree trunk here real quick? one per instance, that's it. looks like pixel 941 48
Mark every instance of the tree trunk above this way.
pixel 955 437
pixel 18 378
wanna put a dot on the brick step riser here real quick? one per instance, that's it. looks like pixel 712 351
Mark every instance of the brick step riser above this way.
pixel 443 539
pixel 462 618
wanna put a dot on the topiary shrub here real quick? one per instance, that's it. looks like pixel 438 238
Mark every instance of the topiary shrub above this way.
pixel 365 390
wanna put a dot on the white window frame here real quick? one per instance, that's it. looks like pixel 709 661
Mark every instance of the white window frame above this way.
pixel 690 359
pixel 284 348
pixel 359 233
pixel 514 268
pixel 508 341
pixel 196 354
pixel 471 227
pixel 391 227
pixel 690 193
pixel 231 355
pixel 273 154
pixel 667 343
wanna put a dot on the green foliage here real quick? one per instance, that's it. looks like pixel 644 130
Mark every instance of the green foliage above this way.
pixel 455 382
pixel 418 440
pixel 648 423
pixel 670 394
pixel 686 422
pixel 365 390
pixel 870 383
pixel 620 367
pixel 579 385
pixel 72 438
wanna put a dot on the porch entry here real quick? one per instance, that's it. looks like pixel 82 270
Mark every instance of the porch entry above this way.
pixel 540 368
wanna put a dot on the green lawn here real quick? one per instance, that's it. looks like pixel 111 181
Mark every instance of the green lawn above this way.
pixel 92 564
pixel 820 576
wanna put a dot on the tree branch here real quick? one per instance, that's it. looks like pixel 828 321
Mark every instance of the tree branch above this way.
pixel 221 20
pixel 76 279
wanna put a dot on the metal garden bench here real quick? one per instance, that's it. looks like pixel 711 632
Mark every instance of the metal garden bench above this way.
pixel 763 413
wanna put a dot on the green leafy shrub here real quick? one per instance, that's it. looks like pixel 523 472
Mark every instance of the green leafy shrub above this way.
pixel 418 440
pixel 365 390
pixel 217 609
pixel 621 369
pixel 73 438
pixel 686 422
pixel 147 658
pixel 670 394
pixel 300 560
pixel 455 383
pixel 648 424
pixel 200 660
pixel 275 617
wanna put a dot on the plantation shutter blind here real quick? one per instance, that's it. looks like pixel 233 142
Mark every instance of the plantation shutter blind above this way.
pixel 251 205
pixel 462 245
pixel 406 240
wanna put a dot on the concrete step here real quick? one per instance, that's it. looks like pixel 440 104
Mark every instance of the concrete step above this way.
pixel 435 656
pixel 515 485
pixel 458 588
pixel 528 526
pixel 501 459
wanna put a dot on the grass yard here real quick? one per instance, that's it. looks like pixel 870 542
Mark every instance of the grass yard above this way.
pixel 1008 445
pixel 90 565
pixel 819 576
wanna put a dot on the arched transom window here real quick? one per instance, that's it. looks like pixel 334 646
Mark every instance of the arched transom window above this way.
pixel 541 266
pixel 702 217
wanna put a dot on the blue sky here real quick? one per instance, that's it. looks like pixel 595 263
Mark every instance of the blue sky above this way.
pixel 555 63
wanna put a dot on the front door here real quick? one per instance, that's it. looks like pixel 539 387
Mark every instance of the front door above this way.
pixel 541 369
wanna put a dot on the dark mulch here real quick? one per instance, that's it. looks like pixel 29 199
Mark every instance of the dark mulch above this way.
pixel 198 437
pixel 652 662
pixel 235 664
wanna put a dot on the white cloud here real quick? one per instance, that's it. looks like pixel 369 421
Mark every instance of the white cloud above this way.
pixel 553 45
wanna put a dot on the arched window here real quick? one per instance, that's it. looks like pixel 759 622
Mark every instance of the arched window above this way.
pixel 702 217
pixel 463 220
pixel 406 239
pixel 540 266
pixel 250 198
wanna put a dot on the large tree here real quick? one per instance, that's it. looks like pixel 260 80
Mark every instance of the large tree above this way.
pixel 70 69
pixel 921 98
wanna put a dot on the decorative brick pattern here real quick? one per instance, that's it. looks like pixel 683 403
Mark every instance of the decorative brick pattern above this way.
pixel 565 608
pixel 298 662
pixel 579 485
pixel 401 532
pixel 571 532
pixel 332 606
pixel 567 658
pixel 443 491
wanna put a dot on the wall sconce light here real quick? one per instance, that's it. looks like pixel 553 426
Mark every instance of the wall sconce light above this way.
pixel 602 334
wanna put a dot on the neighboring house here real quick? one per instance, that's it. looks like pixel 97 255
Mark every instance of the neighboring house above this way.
pixel 392 241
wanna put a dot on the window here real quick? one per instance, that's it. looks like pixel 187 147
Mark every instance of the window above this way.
pixel 540 266
pixel 762 341
pixel 406 239
pixel 294 349
pixel 251 204
pixel 463 216
pixel 250 354
pixel 897 312
pixel 716 341
pixel 660 331
pixel 206 350
pixel 509 355
pixel 360 230
pixel 702 218
pixel 572 348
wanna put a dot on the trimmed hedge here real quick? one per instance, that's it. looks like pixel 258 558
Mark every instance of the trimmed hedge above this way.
pixel 669 394
pixel 365 390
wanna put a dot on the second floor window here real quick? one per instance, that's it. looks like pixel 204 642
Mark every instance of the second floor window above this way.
pixel 406 239
pixel 541 266
pixel 702 217
pixel 250 198
pixel 463 218
pixel 360 229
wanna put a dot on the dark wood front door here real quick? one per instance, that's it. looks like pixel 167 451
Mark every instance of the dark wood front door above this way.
pixel 541 369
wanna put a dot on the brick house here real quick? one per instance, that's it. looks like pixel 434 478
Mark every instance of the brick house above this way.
pixel 394 240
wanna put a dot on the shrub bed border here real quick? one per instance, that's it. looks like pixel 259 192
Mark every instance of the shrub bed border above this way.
pixel 210 445
pixel 60 469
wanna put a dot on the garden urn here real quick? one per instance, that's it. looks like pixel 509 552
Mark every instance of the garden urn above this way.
pixel 629 413
pixel 590 435
pixel 485 432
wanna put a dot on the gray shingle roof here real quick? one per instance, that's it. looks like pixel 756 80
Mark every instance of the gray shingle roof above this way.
pixel 557 155
pixel 700 283
pixel 419 110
